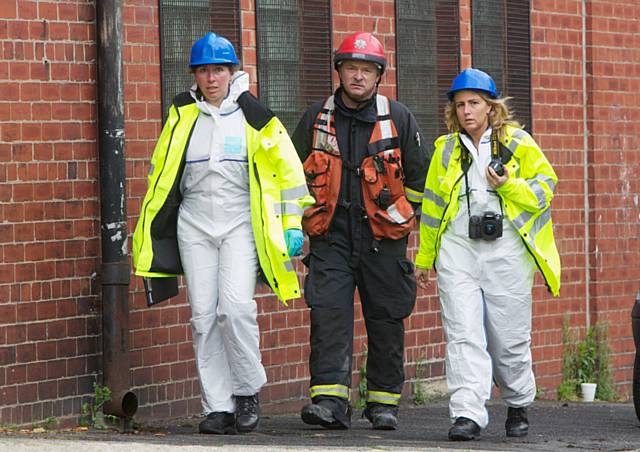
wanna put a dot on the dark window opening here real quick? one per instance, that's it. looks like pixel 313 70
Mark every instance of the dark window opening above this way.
pixel 428 58
pixel 294 55
pixel 182 22
pixel 502 47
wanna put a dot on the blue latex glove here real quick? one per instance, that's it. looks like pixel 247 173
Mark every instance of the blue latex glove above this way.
pixel 294 240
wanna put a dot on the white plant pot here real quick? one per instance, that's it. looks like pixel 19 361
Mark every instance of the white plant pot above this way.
pixel 588 391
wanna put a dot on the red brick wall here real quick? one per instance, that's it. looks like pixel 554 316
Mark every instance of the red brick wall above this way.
pixel 50 342
pixel 49 232
pixel 557 96
pixel 163 372
pixel 613 81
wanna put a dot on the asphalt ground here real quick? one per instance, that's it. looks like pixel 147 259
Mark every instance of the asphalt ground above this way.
pixel 554 426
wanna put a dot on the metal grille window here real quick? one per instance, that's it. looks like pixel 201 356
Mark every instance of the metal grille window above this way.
pixel 294 55
pixel 428 58
pixel 181 23
pixel 502 47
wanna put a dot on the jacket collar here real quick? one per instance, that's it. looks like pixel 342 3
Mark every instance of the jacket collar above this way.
pixel 239 84
pixel 367 113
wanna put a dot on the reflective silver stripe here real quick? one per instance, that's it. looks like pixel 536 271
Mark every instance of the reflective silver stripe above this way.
pixel 321 135
pixel 431 196
pixel 292 194
pixel 522 219
pixel 448 150
pixel 288 265
pixel 387 398
pixel 396 215
pixel 539 223
pixel 411 195
pixel 329 104
pixel 330 390
pixel 539 192
pixel 287 208
pixel 517 159
pixel 512 146
pixel 429 222
pixel 519 134
pixel 321 138
pixel 547 180
pixel 382 105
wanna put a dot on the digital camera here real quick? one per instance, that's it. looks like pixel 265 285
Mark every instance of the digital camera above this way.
pixel 497 166
pixel 486 227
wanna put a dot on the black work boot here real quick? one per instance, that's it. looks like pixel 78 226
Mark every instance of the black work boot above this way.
pixel 464 429
pixel 329 412
pixel 382 417
pixel 247 413
pixel 517 424
pixel 218 423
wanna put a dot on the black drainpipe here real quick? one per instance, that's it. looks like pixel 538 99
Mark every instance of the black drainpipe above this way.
pixel 115 268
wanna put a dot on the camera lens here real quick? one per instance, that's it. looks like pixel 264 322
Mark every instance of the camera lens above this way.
pixel 489 228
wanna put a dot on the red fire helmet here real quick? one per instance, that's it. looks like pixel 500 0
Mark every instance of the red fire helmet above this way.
pixel 361 46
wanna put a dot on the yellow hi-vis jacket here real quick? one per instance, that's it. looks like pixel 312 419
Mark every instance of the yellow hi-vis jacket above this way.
pixel 526 197
pixel 278 192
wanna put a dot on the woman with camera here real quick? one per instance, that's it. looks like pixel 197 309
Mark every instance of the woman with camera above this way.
pixel 486 227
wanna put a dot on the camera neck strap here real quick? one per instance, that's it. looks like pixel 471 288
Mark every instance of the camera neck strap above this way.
pixel 466 164
pixel 495 146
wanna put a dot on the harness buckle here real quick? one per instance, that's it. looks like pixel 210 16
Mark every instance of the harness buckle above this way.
pixel 378 163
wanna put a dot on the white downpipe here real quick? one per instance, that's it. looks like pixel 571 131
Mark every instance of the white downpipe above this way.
pixel 585 167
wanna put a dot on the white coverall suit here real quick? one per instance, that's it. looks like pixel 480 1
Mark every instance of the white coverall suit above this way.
pixel 485 295
pixel 218 254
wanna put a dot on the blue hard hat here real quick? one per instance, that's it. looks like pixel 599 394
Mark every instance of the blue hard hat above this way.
pixel 473 79
pixel 212 49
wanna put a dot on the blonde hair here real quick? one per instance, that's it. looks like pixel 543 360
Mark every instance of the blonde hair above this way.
pixel 499 116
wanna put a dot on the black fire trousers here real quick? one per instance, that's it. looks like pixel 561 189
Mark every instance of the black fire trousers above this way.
pixel 386 284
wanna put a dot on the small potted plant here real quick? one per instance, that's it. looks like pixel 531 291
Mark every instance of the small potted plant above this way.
pixel 585 365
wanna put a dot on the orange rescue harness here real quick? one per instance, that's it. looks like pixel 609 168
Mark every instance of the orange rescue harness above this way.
pixel 389 212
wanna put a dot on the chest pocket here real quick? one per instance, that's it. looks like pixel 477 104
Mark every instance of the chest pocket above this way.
pixel 230 159
pixel 232 148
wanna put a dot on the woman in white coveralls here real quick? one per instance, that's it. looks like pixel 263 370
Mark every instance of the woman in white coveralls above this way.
pixel 225 198
pixel 486 227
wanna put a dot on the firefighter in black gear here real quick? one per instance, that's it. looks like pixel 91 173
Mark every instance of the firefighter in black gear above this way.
pixel 365 161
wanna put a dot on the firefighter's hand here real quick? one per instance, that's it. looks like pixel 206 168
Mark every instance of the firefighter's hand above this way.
pixel 422 278
pixel 494 180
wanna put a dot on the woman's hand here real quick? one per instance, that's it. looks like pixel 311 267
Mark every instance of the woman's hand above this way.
pixel 422 278
pixel 294 240
pixel 494 180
